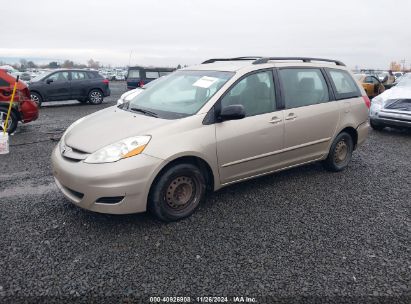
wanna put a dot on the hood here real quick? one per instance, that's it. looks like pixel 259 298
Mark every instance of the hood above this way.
pixel 109 126
pixel 397 92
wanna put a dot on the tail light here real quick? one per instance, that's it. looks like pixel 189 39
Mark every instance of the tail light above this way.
pixel 141 83
pixel 367 101
pixel 106 81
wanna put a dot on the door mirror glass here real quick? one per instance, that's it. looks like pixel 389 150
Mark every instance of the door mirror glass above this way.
pixel 232 112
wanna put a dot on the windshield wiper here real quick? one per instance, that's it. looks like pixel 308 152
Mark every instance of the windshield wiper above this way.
pixel 145 112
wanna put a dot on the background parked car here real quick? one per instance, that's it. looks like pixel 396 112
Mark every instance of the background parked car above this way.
pixel 24 109
pixel 82 85
pixel 393 107
pixel 129 95
pixel 371 84
pixel 139 76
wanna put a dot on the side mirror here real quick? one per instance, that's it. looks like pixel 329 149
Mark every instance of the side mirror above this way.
pixel 48 81
pixel 232 112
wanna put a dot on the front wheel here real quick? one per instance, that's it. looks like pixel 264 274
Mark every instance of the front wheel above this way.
pixel 12 123
pixel 95 97
pixel 177 192
pixel 340 153
pixel 36 98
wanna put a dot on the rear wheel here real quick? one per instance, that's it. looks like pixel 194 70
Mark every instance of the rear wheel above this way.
pixel 36 97
pixel 177 192
pixel 12 123
pixel 95 97
pixel 340 153
pixel 375 126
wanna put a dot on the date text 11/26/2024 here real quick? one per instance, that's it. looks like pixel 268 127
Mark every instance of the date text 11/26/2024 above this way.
pixel 237 299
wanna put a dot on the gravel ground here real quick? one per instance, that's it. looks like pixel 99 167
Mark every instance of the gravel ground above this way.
pixel 302 235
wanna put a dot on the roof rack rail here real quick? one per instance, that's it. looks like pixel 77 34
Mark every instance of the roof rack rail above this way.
pixel 233 59
pixel 261 59
pixel 304 59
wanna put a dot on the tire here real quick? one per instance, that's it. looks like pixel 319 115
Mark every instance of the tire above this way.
pixel 375 126
pixel 95 97
pixel 36 97
pixel 12 123
pixel 340 153
pixel 177 192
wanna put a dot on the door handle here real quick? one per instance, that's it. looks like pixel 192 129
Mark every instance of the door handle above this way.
pixel 291 116
pixel 275 120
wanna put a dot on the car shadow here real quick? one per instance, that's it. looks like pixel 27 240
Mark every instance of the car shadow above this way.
pixel 241 189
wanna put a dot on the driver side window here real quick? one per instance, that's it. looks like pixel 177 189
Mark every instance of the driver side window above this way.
pixel 255 93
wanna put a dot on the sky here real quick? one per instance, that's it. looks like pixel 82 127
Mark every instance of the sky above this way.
pixel 361 33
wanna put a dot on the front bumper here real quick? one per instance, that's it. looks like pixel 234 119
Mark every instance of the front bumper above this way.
pixel 29 111
pixel 84 184
pixel 392 118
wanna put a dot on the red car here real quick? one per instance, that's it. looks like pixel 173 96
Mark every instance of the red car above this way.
pixel 24 109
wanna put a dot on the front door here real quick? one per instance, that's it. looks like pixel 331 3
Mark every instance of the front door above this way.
pixel 249 146
pixel 58 86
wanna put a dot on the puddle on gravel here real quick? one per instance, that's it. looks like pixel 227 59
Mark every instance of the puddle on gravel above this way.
pixel 27 190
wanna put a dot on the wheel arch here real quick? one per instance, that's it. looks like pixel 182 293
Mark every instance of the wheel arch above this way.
pixel 37 92
pixel 94 88
pixel 353 133
pixel 199 162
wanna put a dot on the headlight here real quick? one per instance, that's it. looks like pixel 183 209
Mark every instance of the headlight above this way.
pixel 376 105
pixel 123 149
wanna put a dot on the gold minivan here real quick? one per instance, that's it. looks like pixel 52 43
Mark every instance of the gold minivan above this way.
pixel 208 126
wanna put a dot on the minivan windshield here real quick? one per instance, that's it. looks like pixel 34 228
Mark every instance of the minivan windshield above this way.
pixel 180 94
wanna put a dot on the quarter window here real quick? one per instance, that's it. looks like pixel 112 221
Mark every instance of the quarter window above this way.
pixel 152 74
pixel 344 84
pixel 255 93
pixel 303 87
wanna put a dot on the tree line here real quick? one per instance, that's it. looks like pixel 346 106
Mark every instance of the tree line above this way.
pixel 29 64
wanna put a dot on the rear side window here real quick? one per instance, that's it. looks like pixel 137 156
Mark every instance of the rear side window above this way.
pixel 78 75
pixel 344 85
pixel 164 73
pixel 303 87
pixel 134 74
pixel 3 83
pixel 152 74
